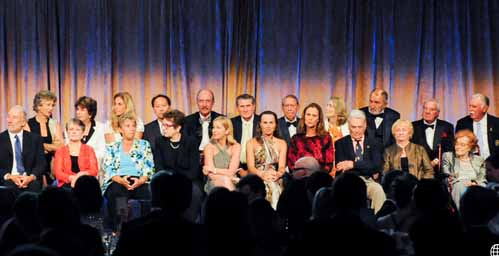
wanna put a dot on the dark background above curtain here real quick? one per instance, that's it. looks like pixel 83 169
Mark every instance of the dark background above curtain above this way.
pixel 415 49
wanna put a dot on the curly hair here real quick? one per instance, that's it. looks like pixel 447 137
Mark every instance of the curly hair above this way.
pixel 469 134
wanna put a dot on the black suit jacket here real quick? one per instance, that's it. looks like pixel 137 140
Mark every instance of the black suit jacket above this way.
pixel 192 126
pixel 372 155
pixel 390 117
pixel 238 127
pixel 151 132
pixel 444 135
pixel 283 129
pixel 492 130
pixel 33 156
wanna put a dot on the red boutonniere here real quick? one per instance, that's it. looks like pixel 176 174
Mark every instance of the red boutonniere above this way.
pixel 444 135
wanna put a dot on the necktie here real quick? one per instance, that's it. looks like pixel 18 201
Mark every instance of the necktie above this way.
pixel 19 156
pixel 358 151
pixel 479 137
pixel 295 124
pixel 426 126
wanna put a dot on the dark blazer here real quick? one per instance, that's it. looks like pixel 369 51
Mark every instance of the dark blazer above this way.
pixel 390 117
pixel 186 161
pixel 444 135
pixel 372 155
pixel 238 127
pixel 283 129
pixel 192 126
pixel 151 132
pixel 33 156
pixel 492 130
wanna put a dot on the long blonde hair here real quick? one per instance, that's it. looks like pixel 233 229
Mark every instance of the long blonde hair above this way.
pixel 129 111
pixel 227 124
pixel 340 109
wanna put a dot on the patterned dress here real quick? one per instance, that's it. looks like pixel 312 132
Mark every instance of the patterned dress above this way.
pixel 267 158
pixel 318 147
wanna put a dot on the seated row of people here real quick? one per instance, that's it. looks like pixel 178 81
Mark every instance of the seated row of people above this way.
pixel 269 155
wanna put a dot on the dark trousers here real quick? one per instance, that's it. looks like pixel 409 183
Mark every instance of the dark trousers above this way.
pixel 117 201
pixel 34 186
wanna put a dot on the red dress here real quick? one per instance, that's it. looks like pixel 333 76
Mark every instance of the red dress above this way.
pixel 318 147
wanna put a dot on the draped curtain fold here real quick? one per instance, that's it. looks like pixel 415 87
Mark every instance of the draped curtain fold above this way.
pixel 415 49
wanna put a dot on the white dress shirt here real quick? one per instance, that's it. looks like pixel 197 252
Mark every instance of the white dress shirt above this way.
pixel 13 171
pixel 206 135
pixel 291 129
pixel 247 134
pixel 484 140
pixel 430 133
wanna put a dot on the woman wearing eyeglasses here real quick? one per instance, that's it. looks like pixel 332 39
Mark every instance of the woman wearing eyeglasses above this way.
pixel 175 151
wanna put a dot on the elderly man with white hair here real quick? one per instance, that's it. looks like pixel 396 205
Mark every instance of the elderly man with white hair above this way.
pixel 434 134
pixel 362 155
pixel 485 126
pixel 22 161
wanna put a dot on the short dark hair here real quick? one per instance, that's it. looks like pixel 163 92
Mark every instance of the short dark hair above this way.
pixel 161 96
pixel 254 182
pixel 245 96
pixel 88 103
pixel 259 132
pixel 177 116
pixel 171 190
pixel 291 96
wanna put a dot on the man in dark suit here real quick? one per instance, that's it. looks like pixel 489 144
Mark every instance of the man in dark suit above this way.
pixel 485 126
pixel 380 118
pixel 164 229
pixel 200 124
pixel 22 161
pixel 245 123
pixel 160 104
pixel 288 124
pixel 435 135
pixel 361 155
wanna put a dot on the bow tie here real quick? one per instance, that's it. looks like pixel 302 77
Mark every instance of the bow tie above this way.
pixel 426 126
pixel 381 115
pixel 201 120
pixel 295 123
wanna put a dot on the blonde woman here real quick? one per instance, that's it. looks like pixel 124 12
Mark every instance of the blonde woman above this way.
pixel 405 155
pixel 336 118
pixel 221 156
pixel 122 104
pixel 128 166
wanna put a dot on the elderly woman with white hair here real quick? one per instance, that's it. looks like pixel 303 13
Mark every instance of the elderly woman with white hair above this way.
pixel 405 155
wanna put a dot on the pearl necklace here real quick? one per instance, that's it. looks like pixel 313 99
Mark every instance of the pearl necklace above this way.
pixel 175 147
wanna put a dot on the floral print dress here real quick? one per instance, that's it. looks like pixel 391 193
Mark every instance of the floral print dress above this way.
pixel 267 158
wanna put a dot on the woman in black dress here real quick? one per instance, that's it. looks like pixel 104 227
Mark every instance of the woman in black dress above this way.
pixel 48 128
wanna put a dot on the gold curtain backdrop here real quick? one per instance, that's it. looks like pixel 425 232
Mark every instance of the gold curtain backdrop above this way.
pixel 415 50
